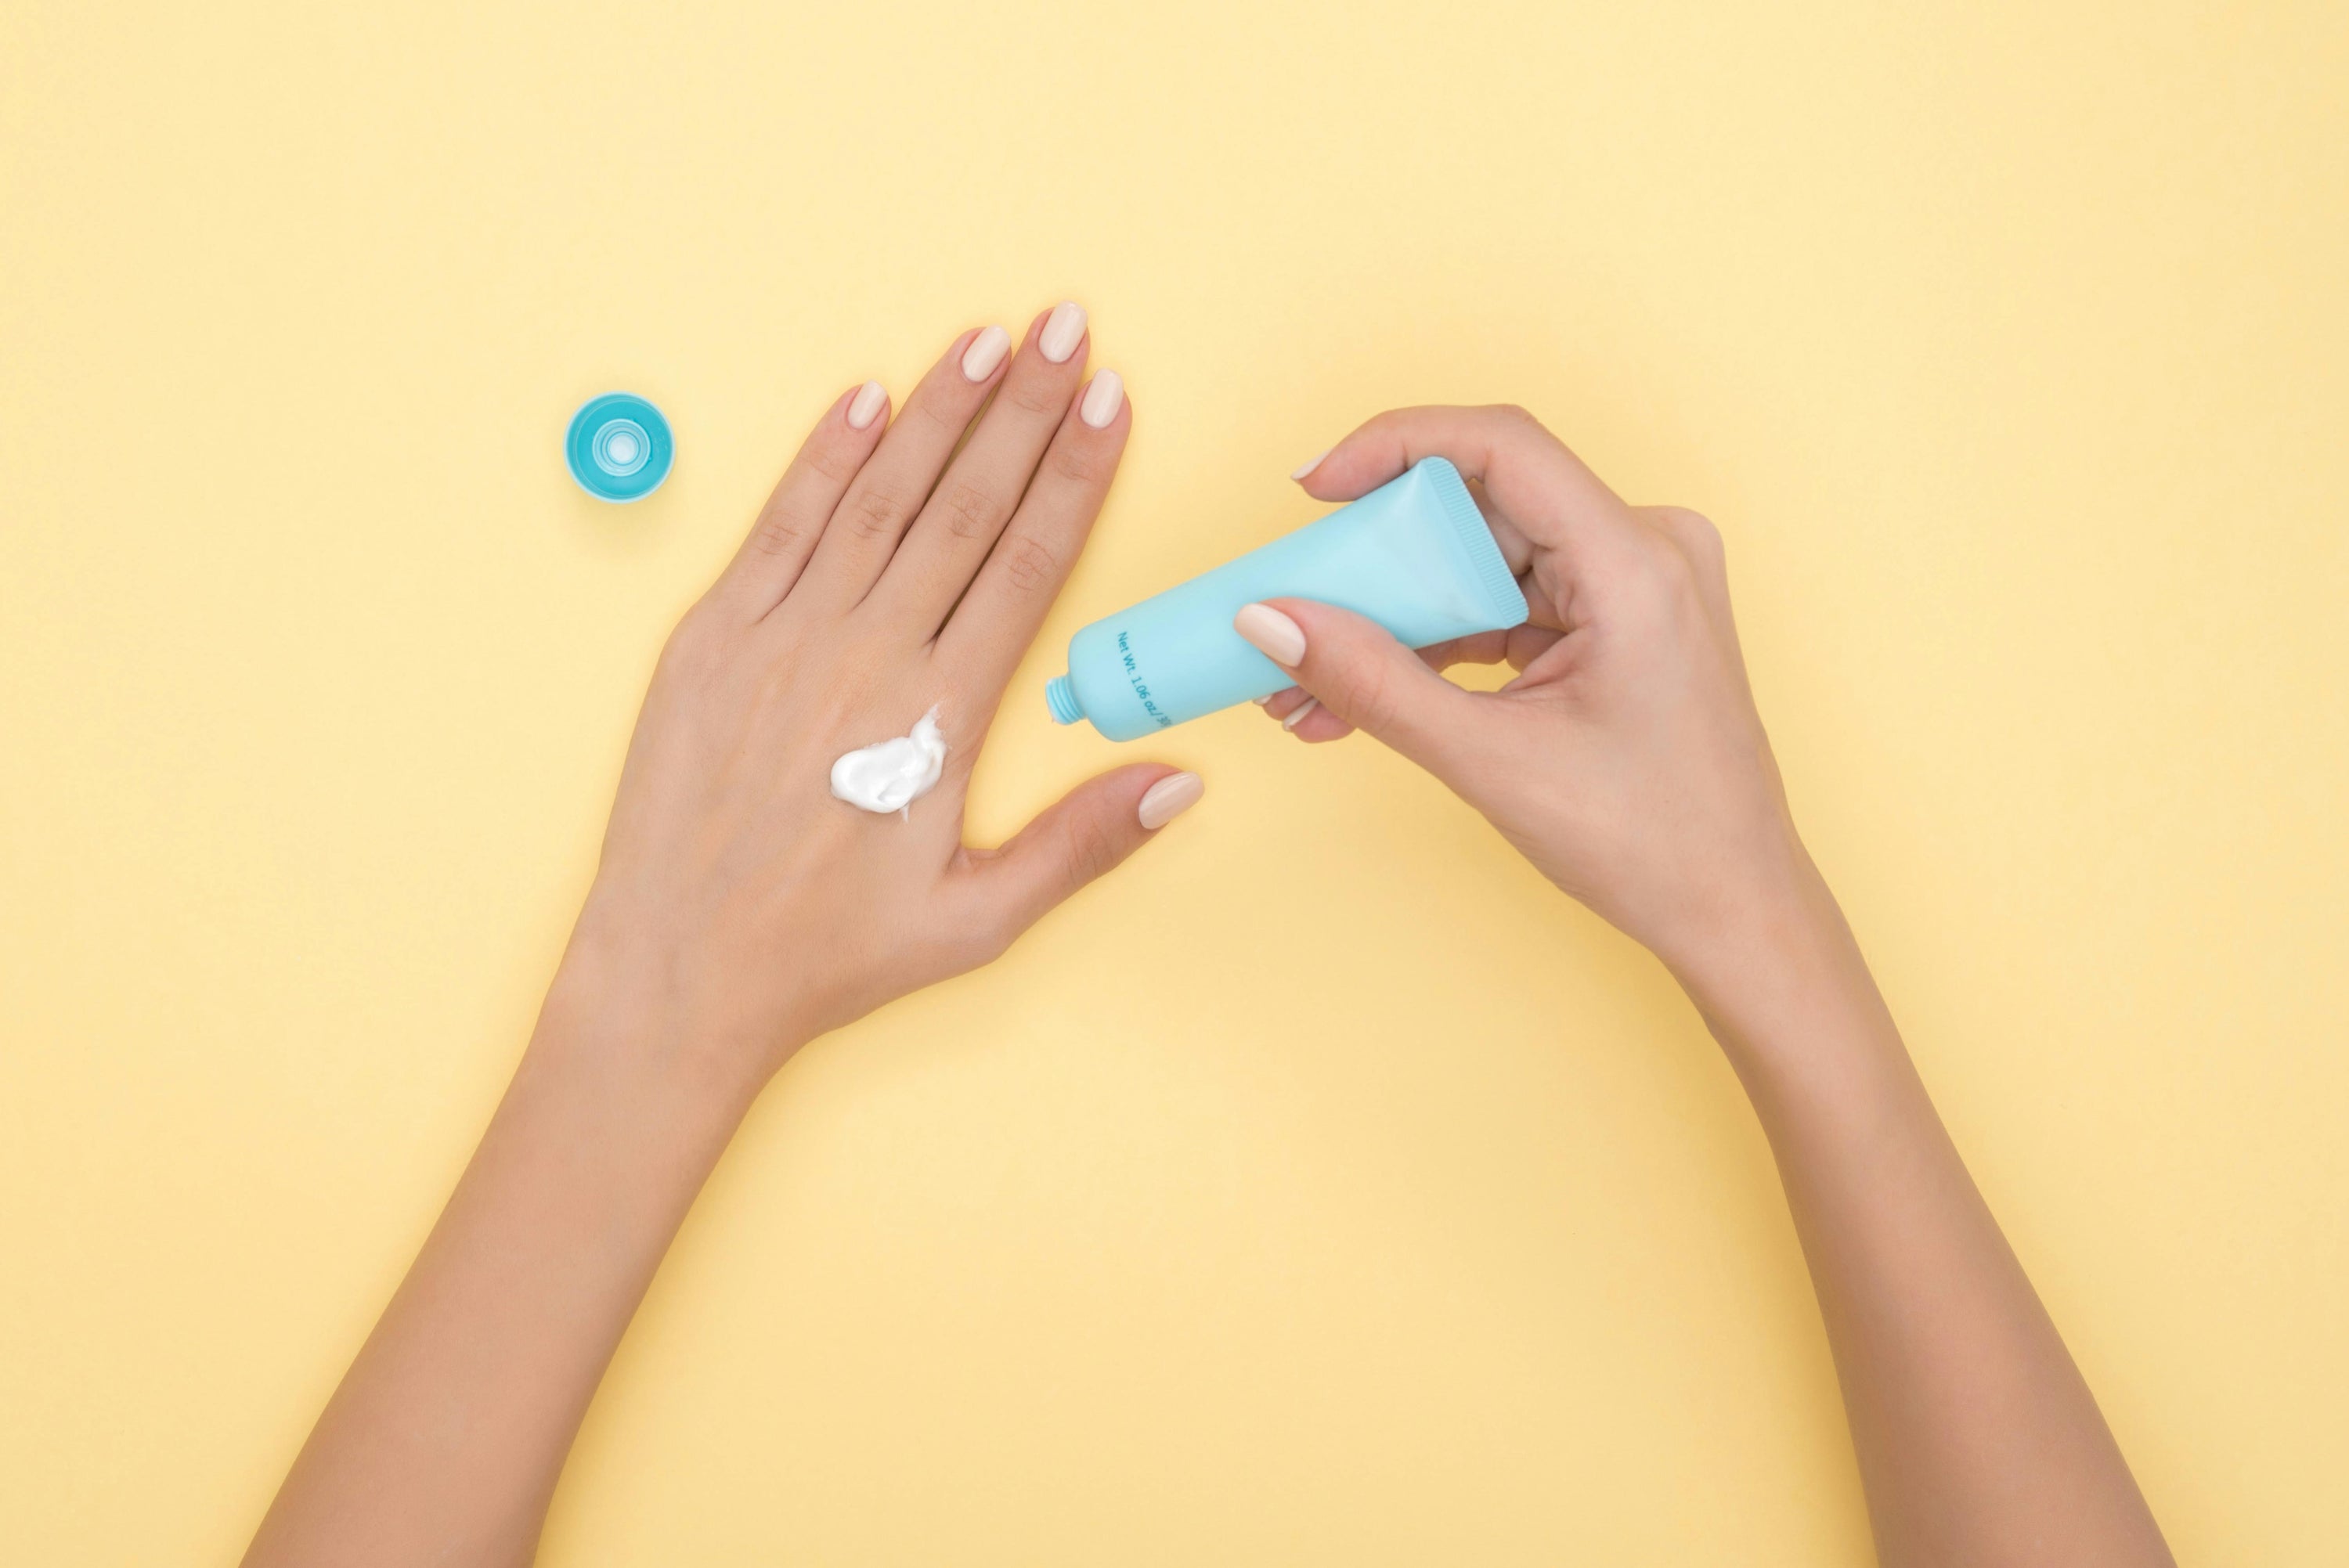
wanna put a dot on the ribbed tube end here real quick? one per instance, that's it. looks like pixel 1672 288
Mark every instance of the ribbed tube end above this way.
pixel 1061 696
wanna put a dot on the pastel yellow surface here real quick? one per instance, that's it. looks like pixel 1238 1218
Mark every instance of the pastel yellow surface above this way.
pixel 1324 1188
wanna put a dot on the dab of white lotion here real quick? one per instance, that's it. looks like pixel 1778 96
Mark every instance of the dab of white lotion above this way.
pixel 892 775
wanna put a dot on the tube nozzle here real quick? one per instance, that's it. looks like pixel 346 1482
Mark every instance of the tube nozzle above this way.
pixel 1061 696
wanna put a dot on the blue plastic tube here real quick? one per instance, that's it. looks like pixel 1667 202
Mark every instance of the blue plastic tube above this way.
pixel 1414 555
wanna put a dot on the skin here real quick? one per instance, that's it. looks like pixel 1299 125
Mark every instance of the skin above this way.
pixel 739 912
pixel 1626 761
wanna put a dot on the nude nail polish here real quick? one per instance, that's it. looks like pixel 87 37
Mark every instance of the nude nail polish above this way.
pixel 1297 713
pixel 1063 330
pixel 1311 463
pixel 866 404
pixel 1102 399
pixel 1169 799
pixel 1271 633
pixel 985 353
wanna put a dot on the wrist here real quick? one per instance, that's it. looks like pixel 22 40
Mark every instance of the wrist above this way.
pixel 631 1010
pixel 607 1044
pixel 1778 976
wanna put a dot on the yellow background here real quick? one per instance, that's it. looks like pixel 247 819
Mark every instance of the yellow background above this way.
pixel 1324 1189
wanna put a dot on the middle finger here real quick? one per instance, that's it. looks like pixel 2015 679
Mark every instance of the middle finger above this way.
pixel 966 513
pixel 897 480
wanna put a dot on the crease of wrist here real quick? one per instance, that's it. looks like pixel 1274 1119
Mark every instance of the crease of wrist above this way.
pixel 1754 954
pixel 1796 1003
pixel 651 1049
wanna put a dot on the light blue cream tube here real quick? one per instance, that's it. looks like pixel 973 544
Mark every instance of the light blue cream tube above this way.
pixel 1414 555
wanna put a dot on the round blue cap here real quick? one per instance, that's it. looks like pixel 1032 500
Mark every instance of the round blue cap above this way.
pixel 618 446
pixel 1061 696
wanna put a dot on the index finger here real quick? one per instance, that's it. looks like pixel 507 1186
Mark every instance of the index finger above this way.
pixel 983 640
pixel 1540 487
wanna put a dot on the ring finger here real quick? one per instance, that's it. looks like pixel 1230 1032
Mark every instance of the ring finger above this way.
pixel 895 483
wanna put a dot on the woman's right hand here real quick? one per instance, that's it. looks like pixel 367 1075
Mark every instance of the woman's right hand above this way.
pixel 1626 760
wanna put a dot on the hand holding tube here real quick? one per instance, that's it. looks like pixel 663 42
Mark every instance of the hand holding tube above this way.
pixel 1414 556
pixel 1626 760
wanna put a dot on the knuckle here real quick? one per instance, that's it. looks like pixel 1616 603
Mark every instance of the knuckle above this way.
pixel 1029 565
pixel 1093 850
pixel 1694 532
pixel 1033 395
pixel 1668 590
pixel 1671 568
pixel 985 932
pixel 1514 413
pixel 778 532
pixel 832 459
pixel 945 412
pixel 1071 462
pixel 1369 696
pixel 988 940
pixel 694 649
pixel 969 512
pixel 872 512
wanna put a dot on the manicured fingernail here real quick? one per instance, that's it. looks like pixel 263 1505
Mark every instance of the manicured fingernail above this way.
pixel 1275 635
pixel 1169 799
pixel 866 404
pixel 1311 463
pixel 1260 701
pixel 1300 711
pixel 1063 330
pixel 1102 399
pixel 985 353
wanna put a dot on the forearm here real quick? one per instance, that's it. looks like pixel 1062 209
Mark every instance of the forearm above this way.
pixel 740 908
pixel 445 1439
pixel 1978 1440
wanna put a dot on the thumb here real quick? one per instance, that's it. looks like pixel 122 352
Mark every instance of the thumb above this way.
pixel 1081 836
pixel 1361 674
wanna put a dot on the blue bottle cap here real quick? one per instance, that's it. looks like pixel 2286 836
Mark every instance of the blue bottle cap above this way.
pixel 618 446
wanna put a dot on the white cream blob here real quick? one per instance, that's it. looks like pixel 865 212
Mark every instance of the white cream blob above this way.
pixel 892 775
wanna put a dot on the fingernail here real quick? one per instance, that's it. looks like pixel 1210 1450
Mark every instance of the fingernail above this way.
pixel 1102 399
pixel 1260 701
pixel 1063 330
pixel 1169 799
pixel 1275 635
pixel 866 404
pixel 1300 711
pixel 1311 463
pixel 985 353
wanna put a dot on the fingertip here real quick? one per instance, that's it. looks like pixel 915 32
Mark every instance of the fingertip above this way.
pixel 1278 702
pixel 1322 726
pixel 1271 632
pixel 1327 478
pixel 867 406
pixel 1347 470
pixel 1059 332
pixel 986 353
pixel 1312 723
pixel 1169 799
pixel 1103 401
pixel 1362 676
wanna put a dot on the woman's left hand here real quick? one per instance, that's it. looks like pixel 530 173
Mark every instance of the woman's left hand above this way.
pixel 740 910
pixel 899 567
